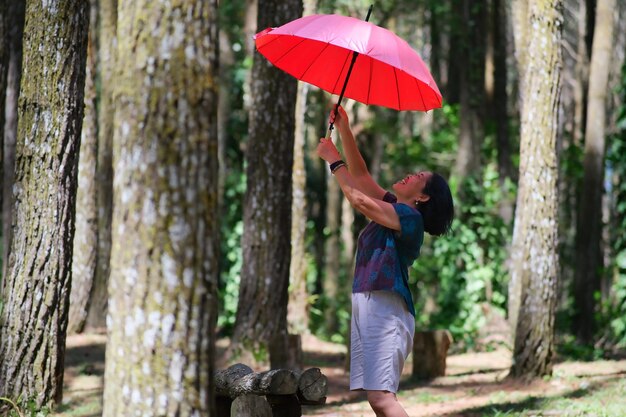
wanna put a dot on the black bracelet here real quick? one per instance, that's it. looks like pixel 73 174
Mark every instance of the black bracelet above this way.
pixel 342 164
pixel 336 165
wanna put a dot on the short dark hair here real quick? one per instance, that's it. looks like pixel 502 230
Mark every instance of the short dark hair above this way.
pixel 438 211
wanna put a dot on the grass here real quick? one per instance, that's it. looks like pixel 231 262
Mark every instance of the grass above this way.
pixel 605 399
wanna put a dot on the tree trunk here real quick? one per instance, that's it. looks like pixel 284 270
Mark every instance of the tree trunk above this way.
pixel 37 288
pixel 263 295
pixel 163 301
pixel 15 12
pixel 104 167
pixel 519 19
pixel 332 250
pixel 500 110
pixel 472 80
pixel 298 306
pixel 86 235
pixel 581 74
pixel 452 88
pixel 535 236
pixel 589 224
pixel 4 62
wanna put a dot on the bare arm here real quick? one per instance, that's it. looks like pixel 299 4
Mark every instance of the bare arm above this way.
pixel 373 208
pixel 356 165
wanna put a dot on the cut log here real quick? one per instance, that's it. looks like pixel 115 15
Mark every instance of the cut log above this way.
pixel 226 378
pixel 312 387
pixel 275 382
pixel 250 406
pixel 430 350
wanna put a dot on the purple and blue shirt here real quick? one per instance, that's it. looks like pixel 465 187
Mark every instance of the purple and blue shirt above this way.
pixel 384 255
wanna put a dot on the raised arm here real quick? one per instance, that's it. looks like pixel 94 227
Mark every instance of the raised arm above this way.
pixel 356 165
pixel 373 208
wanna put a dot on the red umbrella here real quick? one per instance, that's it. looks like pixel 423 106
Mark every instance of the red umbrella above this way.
pixel 319 49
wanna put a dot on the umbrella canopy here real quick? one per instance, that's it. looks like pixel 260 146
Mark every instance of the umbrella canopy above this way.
pixel 318 49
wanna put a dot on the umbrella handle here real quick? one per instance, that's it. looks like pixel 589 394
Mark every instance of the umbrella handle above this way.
pixel 345 83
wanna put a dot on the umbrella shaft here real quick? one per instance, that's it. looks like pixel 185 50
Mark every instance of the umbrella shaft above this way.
pixel 345 83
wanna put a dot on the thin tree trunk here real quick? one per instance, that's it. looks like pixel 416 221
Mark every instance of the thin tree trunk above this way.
pixel 164 258
pixel 86 235
pixel 96 315
pixel 471 129
pixel 15 12
pixel 519 18
pixel 263 295
pixel 332 250
pixel 455 65
pixel 298 306
pixel 581 74
pixel 37 288
pixel 4 63
pixel 589 225
pixel 499 22
pixel 535 235
pixel 297 312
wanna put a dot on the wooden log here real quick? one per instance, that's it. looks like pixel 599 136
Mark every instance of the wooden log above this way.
pixel 235 382
pixel 285 405
pixel 250 405
pixel 226 378
pixel 430 350
pixel 312 387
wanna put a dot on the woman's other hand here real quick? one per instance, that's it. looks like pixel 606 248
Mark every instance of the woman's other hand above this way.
pixel 328 151
pixel 340 119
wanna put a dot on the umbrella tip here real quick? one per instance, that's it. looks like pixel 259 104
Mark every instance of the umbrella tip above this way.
pixel 262 33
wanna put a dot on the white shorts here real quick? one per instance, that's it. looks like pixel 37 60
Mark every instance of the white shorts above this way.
pixel 382 331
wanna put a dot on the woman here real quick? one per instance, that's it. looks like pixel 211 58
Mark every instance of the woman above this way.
pixel 383 316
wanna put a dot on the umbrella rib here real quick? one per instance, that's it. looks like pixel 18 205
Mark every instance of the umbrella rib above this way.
pixel 342 67
pixel 290 49
pixel 369 82
pixel 419 90
pixel 313 61
pixel 395 75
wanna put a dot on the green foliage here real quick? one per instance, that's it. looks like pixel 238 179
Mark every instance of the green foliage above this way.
pixel 28 408
pixel 571 349
pixel 466 269
pixel 613 313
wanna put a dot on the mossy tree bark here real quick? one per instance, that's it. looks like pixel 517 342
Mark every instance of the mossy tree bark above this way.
pixel 36 290
pixel 535 235
pixel 163 302
pixel 86 235
pixel 263 295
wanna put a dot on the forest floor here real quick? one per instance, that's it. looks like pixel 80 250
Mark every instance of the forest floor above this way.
pixel 474 385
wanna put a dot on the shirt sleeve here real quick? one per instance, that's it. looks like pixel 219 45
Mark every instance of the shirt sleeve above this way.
pixel 411 235
pixel 390 198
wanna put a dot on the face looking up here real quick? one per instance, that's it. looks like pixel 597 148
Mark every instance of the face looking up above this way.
pixel 412 186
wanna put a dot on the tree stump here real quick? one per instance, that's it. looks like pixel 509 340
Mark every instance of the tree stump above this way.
pixel 250 405
pixel 285 405
pixel 430 349
pixel 286 351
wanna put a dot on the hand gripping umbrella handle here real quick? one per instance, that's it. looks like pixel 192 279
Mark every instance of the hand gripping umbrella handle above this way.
pixel 345 83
